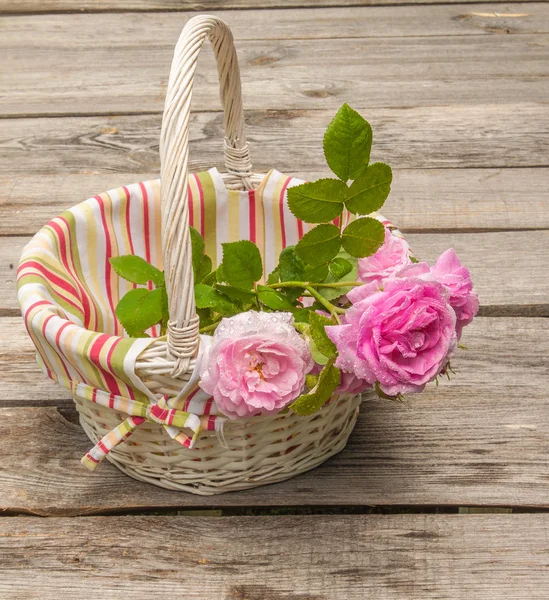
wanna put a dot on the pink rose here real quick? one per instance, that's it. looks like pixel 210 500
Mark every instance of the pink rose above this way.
pixel 457 280
pixel 401 336
pixel 350 384
pixel 256 364
pixel 390 258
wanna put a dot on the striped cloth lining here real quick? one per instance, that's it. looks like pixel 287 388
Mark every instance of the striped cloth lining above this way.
pixel 68 292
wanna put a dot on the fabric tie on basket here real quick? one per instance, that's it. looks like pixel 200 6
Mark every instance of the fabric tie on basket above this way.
pixel 173 421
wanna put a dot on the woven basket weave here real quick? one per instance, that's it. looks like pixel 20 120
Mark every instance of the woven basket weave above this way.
pixel 250 452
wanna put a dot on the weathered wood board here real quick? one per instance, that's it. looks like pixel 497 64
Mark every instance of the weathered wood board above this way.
pixel 47 6
pixel 482 136
pixel 417 557
pixel 130 76
pixel 317 22
pixel 480 440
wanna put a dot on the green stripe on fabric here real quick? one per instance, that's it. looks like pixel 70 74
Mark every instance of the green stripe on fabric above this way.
pixel 117 365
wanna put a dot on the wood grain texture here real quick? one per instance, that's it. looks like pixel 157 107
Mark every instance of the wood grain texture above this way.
pixel 483 136
pixel 421 199
pixel 502 265
pixel 285 24
pixel 49 6
pixel 66 71
pixel 481 440
pixel 416 557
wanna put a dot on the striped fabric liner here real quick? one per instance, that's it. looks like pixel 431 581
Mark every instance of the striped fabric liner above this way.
pixel 68 292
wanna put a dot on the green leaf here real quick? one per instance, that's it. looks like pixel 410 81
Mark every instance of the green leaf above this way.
pixel 311 380
pixel 234 293
pixel 347 144
pixel 274 276
pixel 205 315
pixel 197 246
pixel 292 293
pixel 331 293
pixel 220 274
pixel 136 269
pixel 301 315
pixel 363 237
pixel 328 381
pixel 368 193
pixel 273 299
pixel 339 267
pixel 319 336
pixel 319 201
pixel 210 279
pixel 319 245
pixel 317 355
pixel 204 269
pixel 140 309
pixel 290 266
pixel 206 297
pixel 242 265
pixel 165 310
pixel 316 274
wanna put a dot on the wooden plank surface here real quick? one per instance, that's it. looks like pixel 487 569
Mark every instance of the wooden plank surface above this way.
pixel 420 200
pixel 316 22
pixel 480 440
pixel 502 265
pixel 482 136
pixel 47 6
pixel 416 557
pixel 95 76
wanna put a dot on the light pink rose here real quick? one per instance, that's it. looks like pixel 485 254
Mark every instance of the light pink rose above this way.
pixel 350 384
pixel 390 258
pixel 401 336
pixel 457 280
pixel 256 364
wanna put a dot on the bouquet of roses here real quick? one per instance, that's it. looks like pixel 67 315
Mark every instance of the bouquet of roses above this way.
pixel 347 308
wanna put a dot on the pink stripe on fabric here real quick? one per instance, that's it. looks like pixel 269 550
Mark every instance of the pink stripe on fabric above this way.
pixel 108 268
pixel 95 352
pixel 55 279
pixel 128 223
pixel 251 201
pixel 190 203
pixel 299 228
pixel 187 402
pixel 86 302
pixel 44 325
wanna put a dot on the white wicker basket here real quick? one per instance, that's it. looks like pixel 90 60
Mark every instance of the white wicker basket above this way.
pixel 254 451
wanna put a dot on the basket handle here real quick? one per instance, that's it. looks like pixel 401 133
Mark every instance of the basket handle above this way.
pixel 183 334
